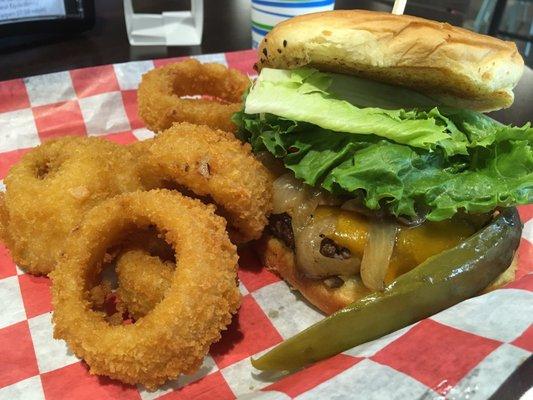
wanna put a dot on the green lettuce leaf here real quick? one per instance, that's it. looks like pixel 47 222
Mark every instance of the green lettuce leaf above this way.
pixel 351 105
pixel 406 180
pixel 389 146
pixel 482 130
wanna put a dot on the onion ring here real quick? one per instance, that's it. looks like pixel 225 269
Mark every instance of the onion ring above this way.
pixel 143 280
pixel 3 219
pixel 151 242
pixel 161 93
pixel 175 336
pixel 211 163
pixel 144 267
pixel 51 188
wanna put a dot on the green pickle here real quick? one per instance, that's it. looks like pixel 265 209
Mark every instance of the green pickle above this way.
pixel 438 283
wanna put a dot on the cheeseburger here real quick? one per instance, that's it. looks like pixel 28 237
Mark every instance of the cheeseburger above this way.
pixel 373 125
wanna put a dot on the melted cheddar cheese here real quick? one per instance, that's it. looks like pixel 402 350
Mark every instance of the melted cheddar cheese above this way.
pixel 413 244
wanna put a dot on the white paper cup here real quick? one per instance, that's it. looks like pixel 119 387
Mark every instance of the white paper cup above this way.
pixel 266 13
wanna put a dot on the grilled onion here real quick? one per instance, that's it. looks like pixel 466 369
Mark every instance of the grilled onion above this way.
pixel 308 257
pixel 298 199
pixel 378 251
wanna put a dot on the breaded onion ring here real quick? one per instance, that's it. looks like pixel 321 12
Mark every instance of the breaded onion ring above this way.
pixel 175 336
pixel 150 241
pixel 51 188
pixel 144 268
pixel 3 219
pixel 215 164
pixel 161 93
pixel 143 280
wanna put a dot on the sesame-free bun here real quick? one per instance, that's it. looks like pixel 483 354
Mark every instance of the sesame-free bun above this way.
pixel 280 259
pixel 452 65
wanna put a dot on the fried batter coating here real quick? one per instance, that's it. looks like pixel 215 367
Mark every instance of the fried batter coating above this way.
pixel 100 293
pixel 150 241
pixel 3 219
pixel 212 163
pixel 143 280
pixel 144 267
pixel 51 188
pixel 174 337
pixel 161 93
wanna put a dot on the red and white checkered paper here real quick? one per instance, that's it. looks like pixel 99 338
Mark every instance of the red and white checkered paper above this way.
pixel 466 351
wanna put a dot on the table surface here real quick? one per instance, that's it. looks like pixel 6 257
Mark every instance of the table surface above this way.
pixel 226 28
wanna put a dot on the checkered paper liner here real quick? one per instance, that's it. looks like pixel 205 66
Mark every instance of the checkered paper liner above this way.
pixel 465 351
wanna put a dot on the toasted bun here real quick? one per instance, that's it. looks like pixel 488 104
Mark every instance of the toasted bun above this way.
pixel 280 259
pixel 452 65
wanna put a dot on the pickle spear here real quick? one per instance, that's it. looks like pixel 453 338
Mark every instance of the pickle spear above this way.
pixel 438 283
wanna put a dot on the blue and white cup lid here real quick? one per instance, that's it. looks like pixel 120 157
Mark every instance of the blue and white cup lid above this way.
pixel 266 14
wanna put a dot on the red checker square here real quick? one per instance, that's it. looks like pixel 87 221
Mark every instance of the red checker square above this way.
pixel 304 380
pixel 526 212
pixel 13 95
pixel 249 332
pixel 252 273
pixel 165 61
pixel 129 99
pixel 243 61
pixel 94 80
pixel 525 259
pixel 36 294
pixel 434 353
pixel 125 137
pixel 525 282
pixel 75 382
pixel 18 356
pixel 7 266
pixel 59 119
pixel 10 158
pixel 212 386
pixel 525 340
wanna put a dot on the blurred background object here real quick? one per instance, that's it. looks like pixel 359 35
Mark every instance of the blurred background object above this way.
pixel 267 13
pixel 165 28
pixel 510 20
pixel 35 21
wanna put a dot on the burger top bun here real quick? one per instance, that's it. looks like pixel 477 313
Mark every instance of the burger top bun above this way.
pixel 452 65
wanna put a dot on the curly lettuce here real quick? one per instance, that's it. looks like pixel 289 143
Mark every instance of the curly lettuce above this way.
pixel 328 130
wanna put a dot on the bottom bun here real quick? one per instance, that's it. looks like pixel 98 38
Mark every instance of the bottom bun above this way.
pixel 280 259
